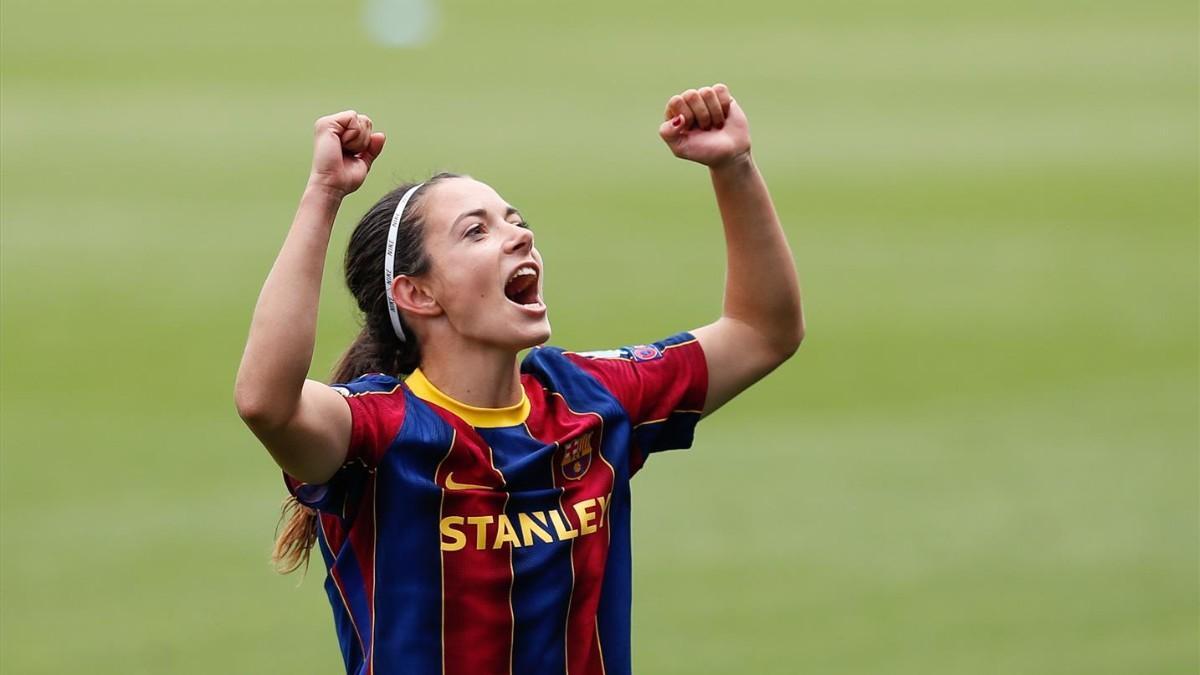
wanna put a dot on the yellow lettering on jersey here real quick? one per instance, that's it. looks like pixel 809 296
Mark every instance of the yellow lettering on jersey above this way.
pixel 505 534
pixel 457 539
pixel 480 523
pixel 585 517
pixel 529 529
pixel 564 533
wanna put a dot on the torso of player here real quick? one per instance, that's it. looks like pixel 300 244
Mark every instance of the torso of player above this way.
pixel 462 540
pixel 486 525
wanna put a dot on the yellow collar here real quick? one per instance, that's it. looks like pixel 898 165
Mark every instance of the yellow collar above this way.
pixel 473 415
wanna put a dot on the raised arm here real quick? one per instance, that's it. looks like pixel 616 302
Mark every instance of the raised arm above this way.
pixel 304 424
pixel 761 322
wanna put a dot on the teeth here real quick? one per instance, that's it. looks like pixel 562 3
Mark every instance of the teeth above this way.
pixel 523 272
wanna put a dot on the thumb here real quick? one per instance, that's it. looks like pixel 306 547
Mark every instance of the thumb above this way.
pixel 672 128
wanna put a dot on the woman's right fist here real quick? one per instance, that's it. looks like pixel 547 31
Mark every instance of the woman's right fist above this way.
pixel 343 149
pixel 706 126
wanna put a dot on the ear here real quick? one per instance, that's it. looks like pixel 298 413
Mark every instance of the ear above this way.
pixel 411 296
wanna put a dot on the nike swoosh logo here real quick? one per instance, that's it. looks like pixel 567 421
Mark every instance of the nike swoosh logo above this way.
pixel 451 484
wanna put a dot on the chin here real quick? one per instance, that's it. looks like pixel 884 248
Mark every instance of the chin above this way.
pixel 531 336
pixel 539 337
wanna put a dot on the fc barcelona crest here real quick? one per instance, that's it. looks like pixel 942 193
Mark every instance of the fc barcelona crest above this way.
pixel 577 456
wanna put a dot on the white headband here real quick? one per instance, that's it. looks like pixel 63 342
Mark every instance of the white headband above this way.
pixel 389 260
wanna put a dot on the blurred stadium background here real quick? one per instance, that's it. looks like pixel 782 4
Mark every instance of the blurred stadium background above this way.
pixel 983 460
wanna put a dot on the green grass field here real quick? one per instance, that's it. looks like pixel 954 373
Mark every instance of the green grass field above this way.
pixel 983 460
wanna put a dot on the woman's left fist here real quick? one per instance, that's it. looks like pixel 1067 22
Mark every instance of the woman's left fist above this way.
pixel 706 126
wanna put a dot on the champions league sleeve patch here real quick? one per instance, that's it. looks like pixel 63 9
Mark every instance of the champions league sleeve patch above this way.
pixel 636 353
pixel 645 352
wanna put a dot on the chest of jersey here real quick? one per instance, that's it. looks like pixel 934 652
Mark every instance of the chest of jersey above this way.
pixel 467 540
pixel 514 524
pixel 547 480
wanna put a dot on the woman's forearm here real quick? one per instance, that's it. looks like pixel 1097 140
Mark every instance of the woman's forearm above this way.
pixel 283 330
pixel 761 288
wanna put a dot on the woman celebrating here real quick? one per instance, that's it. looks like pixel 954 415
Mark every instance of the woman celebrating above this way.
pixel 473 509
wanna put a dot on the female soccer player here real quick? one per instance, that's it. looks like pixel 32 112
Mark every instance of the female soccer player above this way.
pixel 473 509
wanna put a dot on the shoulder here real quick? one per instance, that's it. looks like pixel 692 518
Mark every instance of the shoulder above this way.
pixel 622 372
pixel 635 353
pixel 373 398
pixel 371 383
pixel 378 407
pixel 562 371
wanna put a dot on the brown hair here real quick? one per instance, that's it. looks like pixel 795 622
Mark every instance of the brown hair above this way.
pixel 377 348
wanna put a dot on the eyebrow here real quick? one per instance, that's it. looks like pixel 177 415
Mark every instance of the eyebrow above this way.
pixel 480 213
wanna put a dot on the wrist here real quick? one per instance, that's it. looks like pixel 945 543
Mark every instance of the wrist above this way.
pixel 737 164
pixel 317 191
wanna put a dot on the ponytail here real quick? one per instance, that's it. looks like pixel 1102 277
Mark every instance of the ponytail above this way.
pixel 376 349
pixel 294 544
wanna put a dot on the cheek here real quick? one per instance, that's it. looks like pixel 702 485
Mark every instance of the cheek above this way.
pixel 470 289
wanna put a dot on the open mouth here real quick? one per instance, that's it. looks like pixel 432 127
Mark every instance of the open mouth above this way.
pixel 522 286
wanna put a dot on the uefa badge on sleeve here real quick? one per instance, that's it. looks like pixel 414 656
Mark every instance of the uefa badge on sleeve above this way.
pixel 577 456
pixel 645 352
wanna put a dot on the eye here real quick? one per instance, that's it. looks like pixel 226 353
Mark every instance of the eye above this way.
pixel 524 224
pixel 475 230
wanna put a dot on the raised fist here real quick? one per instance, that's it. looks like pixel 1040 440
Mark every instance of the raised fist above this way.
pixel 343 149
pixel 706 125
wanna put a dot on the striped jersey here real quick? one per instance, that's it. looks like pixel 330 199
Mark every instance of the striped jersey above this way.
pixel 472 541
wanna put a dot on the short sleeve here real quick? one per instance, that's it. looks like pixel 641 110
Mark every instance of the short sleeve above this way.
pixel 376 412
pixel 661 386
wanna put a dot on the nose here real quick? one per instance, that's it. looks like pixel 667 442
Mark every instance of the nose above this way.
pixel 520 242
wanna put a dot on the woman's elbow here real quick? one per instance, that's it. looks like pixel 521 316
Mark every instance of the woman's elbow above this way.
pixel 252 412
pixel 258 411
pixel 791 339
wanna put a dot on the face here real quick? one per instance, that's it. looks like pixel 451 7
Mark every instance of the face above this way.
pixel 486 275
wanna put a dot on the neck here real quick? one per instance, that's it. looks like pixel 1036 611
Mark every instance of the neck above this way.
pixel 480 377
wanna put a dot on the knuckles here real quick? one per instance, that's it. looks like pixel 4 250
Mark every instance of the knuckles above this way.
pixel 331 121
pixel 352 129
pixel 696 96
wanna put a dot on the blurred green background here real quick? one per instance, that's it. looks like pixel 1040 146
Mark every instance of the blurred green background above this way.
pixel 983 459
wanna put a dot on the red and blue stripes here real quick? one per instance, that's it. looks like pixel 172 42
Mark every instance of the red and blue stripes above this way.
pixel 408 607
pixel 464 550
